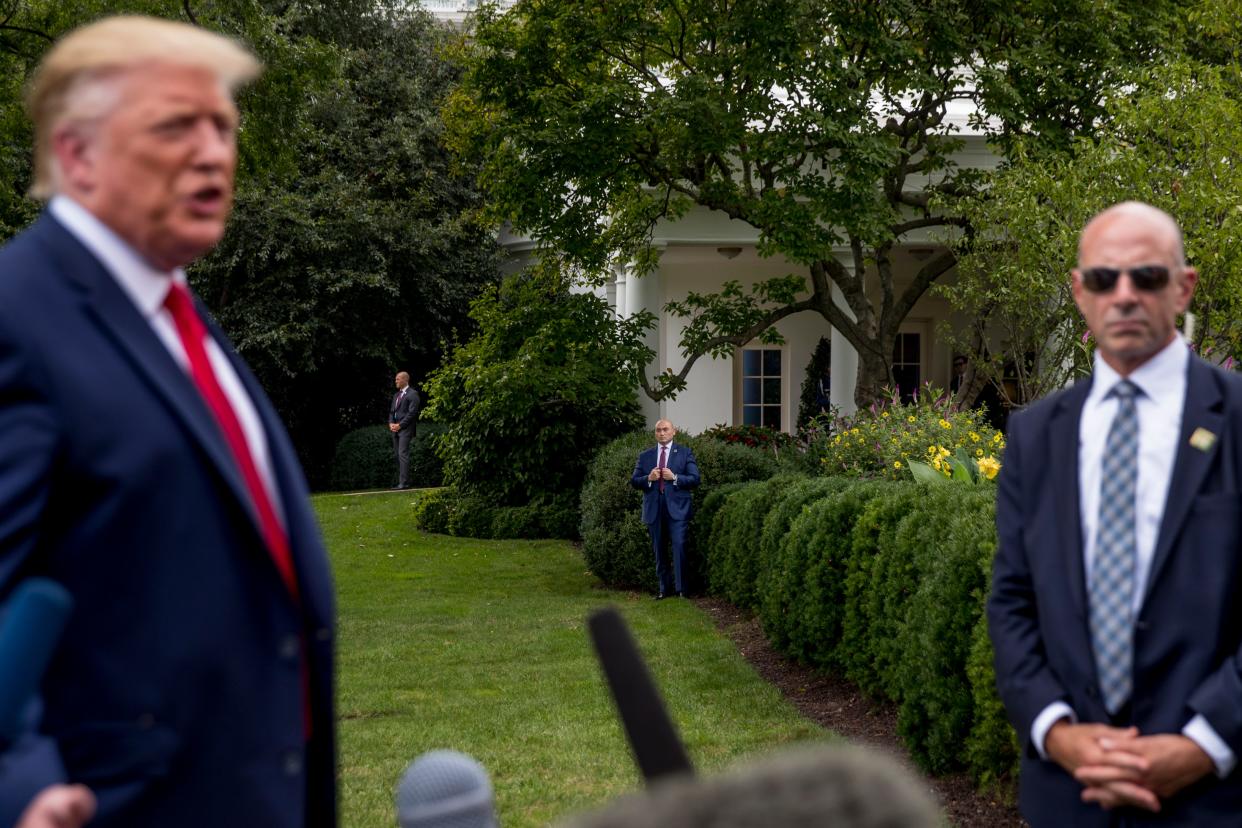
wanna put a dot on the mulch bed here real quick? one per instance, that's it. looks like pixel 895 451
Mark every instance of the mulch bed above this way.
pixel 840 707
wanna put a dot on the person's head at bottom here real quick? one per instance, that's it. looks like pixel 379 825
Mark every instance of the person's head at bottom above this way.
pixel 845 787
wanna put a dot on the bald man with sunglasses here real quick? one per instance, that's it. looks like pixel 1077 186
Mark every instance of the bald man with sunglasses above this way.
pixel 1115 610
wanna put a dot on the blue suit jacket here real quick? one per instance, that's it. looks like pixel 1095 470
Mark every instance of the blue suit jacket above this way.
pixel 1188 633
pixel 681 462
pixel 176 691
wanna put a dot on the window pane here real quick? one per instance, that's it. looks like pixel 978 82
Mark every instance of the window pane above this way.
pixel 911 349
pixel 750 363
pixel 772 416
pixel 772 391
pixel 751 415
pixel 897 349
pixel 751 389
pixel 907 378
pixel 771 363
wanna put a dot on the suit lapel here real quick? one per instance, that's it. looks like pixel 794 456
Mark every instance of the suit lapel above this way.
pixel 111 310
pixel 1204 409
pixel 1063 444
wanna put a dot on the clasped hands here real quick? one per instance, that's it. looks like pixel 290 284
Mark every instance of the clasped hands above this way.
pixel 1118 767
pixel 657 473
pixel 394 427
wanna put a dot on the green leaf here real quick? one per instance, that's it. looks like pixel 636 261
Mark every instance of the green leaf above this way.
pixel 924 473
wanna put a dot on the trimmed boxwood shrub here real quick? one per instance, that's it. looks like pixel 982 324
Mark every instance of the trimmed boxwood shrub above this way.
pixel 734 560
pixel 703 528
pixel 449 511
pixel 953 533
pixel 615 543
pixel 885 581
pixel 364 460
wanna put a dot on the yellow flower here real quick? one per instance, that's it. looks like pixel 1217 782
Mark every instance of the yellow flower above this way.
pixel 944 452
pixel 884 414
pixel 978 452
pixel 996 438
pixel 896 464
pixel 988 467
pixel 910 419
pixel 945 423
pixel 974 438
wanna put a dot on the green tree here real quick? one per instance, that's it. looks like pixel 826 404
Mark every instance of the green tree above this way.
pixel 356 241
pixel 823 124
pixel 1172 142
pixel 548 379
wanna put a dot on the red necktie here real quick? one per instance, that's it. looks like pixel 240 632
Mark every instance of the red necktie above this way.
pixel 661 466
pixel 193 335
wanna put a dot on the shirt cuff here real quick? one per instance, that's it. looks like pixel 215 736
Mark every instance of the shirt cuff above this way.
pixel 1205 736
pixel 1051 714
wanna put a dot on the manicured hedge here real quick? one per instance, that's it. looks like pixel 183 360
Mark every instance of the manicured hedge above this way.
pixel 884 582
pixel 470 515
pixel 615 543
pixel 364 459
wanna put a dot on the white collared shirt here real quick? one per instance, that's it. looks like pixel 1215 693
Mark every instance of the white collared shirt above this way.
pixel 147 287
pixel 1159 407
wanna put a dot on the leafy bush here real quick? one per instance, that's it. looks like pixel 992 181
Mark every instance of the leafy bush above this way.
pixel 952 534
pixel 886 582
pixel 468 514
pixel 734 560
pixel 431 512
pixel 548 380
pixel 754 436
pixel 615 542
pixel 881 441
pixel 364 459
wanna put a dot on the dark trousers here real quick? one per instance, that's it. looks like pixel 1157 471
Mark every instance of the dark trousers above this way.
pixel 401 447
pixel 674 531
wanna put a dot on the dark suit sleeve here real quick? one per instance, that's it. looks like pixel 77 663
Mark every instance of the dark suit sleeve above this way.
pixel 1025 681
pixel 28 441
pixel 689 478
pixel 639 477
pixel 412 404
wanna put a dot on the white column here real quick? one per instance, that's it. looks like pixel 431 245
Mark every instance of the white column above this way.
pixel 619 291
pixel 844 360
pixel 646 293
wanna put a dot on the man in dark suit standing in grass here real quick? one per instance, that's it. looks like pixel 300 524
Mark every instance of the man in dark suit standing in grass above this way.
pixel 665 473
pixel 402 422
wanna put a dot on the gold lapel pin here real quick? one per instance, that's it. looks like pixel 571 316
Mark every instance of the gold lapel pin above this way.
pixel 1203 439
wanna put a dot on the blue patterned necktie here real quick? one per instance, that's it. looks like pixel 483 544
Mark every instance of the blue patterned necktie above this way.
pixel 1112 582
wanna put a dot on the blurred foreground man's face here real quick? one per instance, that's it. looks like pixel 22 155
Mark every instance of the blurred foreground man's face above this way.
pixel 158 168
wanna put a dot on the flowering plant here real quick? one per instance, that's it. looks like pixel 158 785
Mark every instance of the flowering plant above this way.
pixel 892 439
pixel 751 435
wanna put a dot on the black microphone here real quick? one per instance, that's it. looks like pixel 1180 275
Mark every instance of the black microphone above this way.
pixel 653 737
pixel 445 789
pixel 29 629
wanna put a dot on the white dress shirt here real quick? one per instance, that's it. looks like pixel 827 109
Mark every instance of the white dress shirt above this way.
pixel 147 287
pixel 1159 405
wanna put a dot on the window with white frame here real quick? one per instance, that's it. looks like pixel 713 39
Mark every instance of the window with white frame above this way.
pixel 761 387
pixel 908 363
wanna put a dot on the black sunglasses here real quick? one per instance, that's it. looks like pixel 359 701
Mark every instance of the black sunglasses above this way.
pixel 1144 277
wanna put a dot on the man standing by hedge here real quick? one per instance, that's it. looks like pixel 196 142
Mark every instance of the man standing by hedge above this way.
pixel 665 473
pixel 402 422
pixel 1113 611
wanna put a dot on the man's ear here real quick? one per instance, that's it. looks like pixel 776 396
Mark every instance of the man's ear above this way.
pixel 74 148
pixel 1190 278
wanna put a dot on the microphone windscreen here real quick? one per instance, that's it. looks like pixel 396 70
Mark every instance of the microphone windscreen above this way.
pixel 29 629
pixel 658 750
pixel 445 789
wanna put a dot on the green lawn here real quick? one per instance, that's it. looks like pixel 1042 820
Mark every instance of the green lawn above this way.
pixel 481 646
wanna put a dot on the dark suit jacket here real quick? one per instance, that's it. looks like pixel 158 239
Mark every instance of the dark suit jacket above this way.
pixel 176 691
pixel 681 461
pixel 404 410
pixel 1188 632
